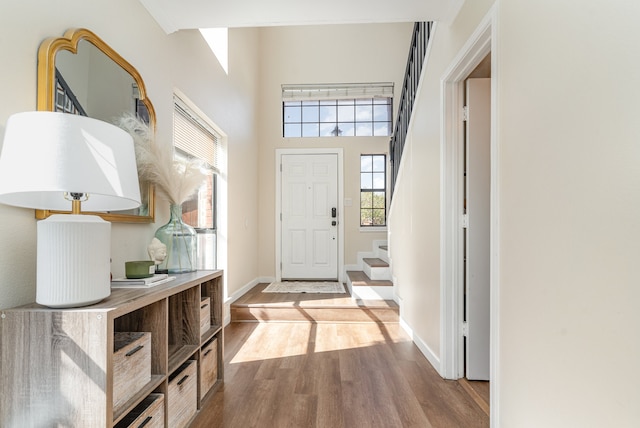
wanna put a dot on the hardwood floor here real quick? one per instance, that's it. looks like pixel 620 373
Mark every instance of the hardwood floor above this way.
pixel 351 375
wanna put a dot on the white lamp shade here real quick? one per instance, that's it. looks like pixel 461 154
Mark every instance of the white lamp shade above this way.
pixel 45 154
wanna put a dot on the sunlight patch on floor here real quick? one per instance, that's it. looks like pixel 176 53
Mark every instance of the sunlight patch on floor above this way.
pixel 279 340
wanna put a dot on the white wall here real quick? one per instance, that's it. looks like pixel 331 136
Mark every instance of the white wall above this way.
pixel 569 141
pixel 414 226
pixel 568 81
pixel 181 60
pixel 323 54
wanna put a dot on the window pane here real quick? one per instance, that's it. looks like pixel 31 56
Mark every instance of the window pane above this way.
pixel 337 130
pixel 364 113
pixel 309 103
pixel 366 217
pixel 378 199
pixel 364 129
pixel 346 113
pixel 328 114
pixel 361 101
pixel 381 113
pixel 382 101
pixel 292 114
pixel 310 114
pixel 365 163
pixel 366 199
pixel 378 180
pixel 292 130
pixel 378 217
pixel 366 180
pixel 346 102
pixel 310 129
pixel 348 130
pixel 327 129
pixel 381 129
pixel 198 210
pixel 378 163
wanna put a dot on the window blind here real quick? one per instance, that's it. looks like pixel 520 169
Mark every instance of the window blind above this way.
pixel 193 136
pixel 336 91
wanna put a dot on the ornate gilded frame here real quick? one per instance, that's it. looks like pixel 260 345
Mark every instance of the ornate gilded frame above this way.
pixel 46 101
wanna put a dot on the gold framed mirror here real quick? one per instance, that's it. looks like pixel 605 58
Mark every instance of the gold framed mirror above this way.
pixel 79 73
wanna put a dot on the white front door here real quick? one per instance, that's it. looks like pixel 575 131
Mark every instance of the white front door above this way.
pixel 477 197
pixel 309 189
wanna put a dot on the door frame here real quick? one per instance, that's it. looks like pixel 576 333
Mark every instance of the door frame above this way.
pixel 480 43
pixel 278 225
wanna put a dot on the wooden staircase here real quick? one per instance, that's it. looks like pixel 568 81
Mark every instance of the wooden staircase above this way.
pixel 373 281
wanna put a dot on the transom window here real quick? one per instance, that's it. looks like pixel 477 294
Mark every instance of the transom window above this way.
pixel 373 190
pixel 337 110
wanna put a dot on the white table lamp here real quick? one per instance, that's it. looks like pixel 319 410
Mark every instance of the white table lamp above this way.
pixel 58 161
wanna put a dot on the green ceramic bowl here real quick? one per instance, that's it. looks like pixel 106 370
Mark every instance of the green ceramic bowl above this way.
pixel 139 269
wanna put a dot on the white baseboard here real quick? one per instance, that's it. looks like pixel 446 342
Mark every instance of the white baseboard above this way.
pixel 423 347
pixel 239 293
pixel 396 297
pixel 266 279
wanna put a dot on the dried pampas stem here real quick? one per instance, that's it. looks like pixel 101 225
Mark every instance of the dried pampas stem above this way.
pixel 175 179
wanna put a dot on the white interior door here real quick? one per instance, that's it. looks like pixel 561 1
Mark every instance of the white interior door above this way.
pixel 477 247
pixel 309 189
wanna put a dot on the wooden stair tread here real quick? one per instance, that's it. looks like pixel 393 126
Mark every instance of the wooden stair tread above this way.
pixel 314 315
pixel 255 298
pixel 360 279
pixel 297 304
pixel 256 306
pixel 375 262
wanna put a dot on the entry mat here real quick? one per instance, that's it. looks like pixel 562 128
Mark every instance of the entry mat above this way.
pixel 304 287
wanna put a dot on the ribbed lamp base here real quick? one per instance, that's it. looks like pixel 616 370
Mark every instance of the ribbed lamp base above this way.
pixel 73 260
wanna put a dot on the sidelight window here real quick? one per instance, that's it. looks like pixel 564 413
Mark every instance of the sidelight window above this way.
pixel 373 193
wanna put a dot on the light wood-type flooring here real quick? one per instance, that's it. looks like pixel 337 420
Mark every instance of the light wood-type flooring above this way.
pixel 319 373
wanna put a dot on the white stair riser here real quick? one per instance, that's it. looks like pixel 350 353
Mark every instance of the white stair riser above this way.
pixel 370 292
pixel 382 254
pixel 377 273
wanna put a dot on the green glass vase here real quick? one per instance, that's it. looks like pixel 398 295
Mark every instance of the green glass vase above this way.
pixel 181 241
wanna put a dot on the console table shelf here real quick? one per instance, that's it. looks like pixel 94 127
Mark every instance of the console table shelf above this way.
pixel 57 365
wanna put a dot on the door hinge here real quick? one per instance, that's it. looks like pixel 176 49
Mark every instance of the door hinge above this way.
pixel 465 221
pixel 465 113
pixel 465 329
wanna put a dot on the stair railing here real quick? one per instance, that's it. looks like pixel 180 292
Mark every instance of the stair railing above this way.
pixel 417 52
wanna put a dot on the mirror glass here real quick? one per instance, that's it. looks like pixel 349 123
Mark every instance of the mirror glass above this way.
pixel 80 74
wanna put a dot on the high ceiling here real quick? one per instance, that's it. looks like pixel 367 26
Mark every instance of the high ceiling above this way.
pixel 174 15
